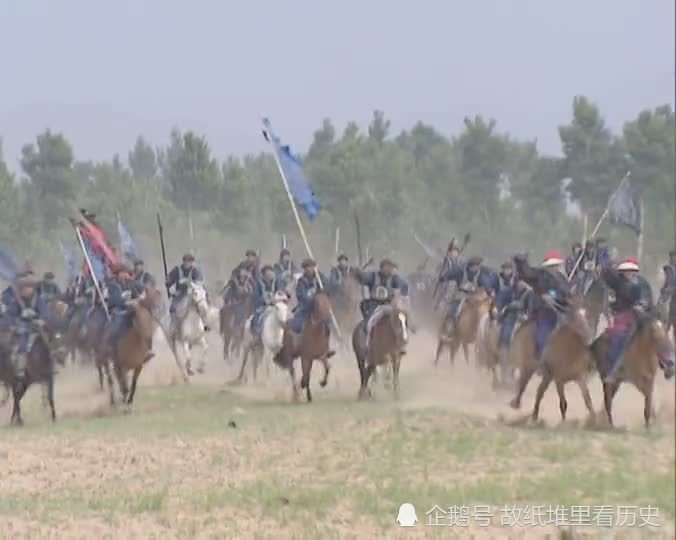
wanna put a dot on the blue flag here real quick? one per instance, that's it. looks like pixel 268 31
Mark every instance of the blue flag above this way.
pixel 625 206
pixel 126 241
pixel 8 267
pixel 98 264
pixel 69 258
pixel 293 173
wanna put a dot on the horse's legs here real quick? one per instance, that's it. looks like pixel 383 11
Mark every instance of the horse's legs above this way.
pixel 396 363
pixel 525 375
pixel 5 398
pixel 453 350
pixel 440 347
pixel 544 384
pixel 609 391
pixel 204 348
pixel 134 379
pixel 17 394
pixel 122 381
pixel 294 386
pixel 50 396
pixel 109 378
pixel 245 359
pixel 563 403
pixel 100 370
pixel 582 383
pixel 361 364
pixel 325 362
pixel 648 404
pixel 306 366
pixel 188 359
pixel 465 351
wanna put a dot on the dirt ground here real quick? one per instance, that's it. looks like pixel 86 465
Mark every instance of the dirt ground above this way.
pixel 210 460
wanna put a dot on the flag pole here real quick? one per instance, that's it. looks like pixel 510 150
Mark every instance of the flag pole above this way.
pixel 598 225
pixel 337 241
pixel 91 271
pixel 639 246
pixel 296 215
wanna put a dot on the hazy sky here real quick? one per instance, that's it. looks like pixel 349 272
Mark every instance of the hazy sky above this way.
pixel 103 72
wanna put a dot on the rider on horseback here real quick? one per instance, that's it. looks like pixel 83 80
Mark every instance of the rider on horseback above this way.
pixel 468 277
pixel 27 314
pixel 382 286
pixel 142 278
pixel 512 302
pixel 179 277
pixel 571 261
pixel 285 270
pixel 244 272
pixel 121 291
pixel 309 284
pixel 267 287
pixel 551 295
pixel 338 273
pixel 632 307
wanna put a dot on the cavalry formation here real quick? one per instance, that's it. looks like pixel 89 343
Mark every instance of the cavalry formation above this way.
pixel 522 320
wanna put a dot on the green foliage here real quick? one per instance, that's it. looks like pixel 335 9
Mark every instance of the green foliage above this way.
pixel 508 194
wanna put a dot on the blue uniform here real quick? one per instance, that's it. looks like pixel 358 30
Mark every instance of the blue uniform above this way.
pixel 23 316
pixel 381 290
pixel 337 277
pixel 632 296
pixel 466 281
pixel 285 272
pixel 179 277
pixel 306 288
pixel 144 279
pixel 263 296
pixel 119 295
pixel 552 284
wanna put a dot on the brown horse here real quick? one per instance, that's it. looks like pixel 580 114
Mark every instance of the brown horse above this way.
pixel 567 357
pixel 39 369
pixel 134 347
pixel 312 345
pixel 389 337
pixel 232 332
pixel 464 332
pixel 640 361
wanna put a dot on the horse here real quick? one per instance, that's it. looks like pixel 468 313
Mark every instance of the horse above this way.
pixel 232 320
pixel 132 350
pixel 189 329
pixel 464 331
pixel 488 351
pixel 313 345
pixel 640 361
pixel 389 336
pixel 594 300
pixel 567 357
pixel 273 321
pixel 39 369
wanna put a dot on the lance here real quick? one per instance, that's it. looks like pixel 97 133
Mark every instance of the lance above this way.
pixel 357 225
pixel 164 253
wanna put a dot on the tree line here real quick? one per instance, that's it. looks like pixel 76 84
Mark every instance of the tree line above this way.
pixel 483 180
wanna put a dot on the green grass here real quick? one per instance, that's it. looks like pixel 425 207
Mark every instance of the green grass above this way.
pixel 295 465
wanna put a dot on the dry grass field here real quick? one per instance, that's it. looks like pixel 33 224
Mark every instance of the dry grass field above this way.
pixel 213 461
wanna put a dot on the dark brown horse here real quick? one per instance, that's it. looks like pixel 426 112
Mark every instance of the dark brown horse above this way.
pixel 232 326
pixel 39 369
pixel 312 345
pixel 134 347
pixel 640 361
pixel 464 331
pixel 389 337
pixel 567 357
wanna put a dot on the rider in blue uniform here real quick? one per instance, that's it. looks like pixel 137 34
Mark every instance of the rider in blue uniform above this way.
pixel 264 293
pixel 382 286
pixel 27 313
pixel 633 305
pixel 468 277
pixel 309 284
pixel 179 277
pixel 551 295
pixel 511 303
pixel 121 291
pixel 143 278
pixel 285 269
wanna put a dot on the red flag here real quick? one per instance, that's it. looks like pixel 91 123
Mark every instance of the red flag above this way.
pixel 96 239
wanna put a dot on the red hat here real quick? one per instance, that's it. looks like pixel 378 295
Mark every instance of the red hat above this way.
pixel 553 258
pixel 629 264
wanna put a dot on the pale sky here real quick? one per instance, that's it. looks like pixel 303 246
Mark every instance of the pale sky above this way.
pixel 104 72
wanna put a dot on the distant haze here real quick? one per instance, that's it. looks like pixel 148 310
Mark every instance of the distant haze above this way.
pixel 105 72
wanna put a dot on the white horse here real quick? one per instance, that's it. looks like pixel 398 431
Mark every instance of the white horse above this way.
pixel 188 329
pixel 273 321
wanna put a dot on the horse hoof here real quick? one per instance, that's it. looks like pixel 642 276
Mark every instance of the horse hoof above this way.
pixel 323 383
pixel 515 404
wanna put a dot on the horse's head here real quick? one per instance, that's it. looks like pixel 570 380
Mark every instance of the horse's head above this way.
pixel 198 296
pixel 577 319
pixel 398 318
pixel 321 307
pixel 658 338
pixel 281 307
